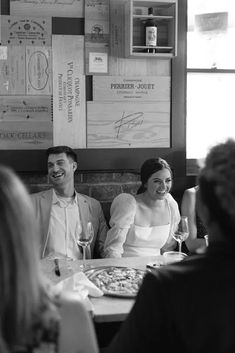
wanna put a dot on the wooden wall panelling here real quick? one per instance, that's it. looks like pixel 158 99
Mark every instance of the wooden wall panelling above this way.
pixel 96 36
pixel 121 159
pixel 25 122
pixel 128 124
pixel 12 69
pixel 131 88
pixel 52 8
pixel 141 67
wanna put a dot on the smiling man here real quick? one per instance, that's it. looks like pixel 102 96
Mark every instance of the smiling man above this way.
pixel 62 212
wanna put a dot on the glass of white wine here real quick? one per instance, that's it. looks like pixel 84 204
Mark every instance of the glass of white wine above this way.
pixel 182 231
pixel 84 239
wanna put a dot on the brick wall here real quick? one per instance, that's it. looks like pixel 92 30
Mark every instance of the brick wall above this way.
pixel 103 186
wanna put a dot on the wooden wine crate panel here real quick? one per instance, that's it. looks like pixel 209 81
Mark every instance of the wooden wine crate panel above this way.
pixel 131 88
pixel 47 8
pixel 96 36
pixel 117 31
pixel 12 68
pixel 118 64
pixel 128 125
pixel 25 122
pixel 69 113
pixel 38 70
pixel 25 135
pixel 138 67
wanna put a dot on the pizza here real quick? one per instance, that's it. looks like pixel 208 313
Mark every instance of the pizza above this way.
pixel 117 281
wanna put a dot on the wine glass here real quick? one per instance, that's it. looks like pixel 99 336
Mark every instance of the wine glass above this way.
pixel 84 239
pixel 206 240
pixel 182 231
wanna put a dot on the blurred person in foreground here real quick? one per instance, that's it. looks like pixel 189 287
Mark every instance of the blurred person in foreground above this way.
pixel 143 225
pixel 189 306
pixel 30 320
pixel 61 211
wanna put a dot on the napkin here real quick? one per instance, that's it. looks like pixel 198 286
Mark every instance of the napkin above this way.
pixel 81 279
pixel 80 284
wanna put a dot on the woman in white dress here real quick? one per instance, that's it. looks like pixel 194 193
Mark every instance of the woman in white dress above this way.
pixel 143 225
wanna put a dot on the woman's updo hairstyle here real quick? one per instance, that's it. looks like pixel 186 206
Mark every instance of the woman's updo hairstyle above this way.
pixel 217 185
pixel 149 167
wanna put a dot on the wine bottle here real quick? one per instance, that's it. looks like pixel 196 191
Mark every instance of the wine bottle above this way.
pixel 150 31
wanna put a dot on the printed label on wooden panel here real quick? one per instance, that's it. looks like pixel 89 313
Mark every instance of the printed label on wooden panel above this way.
pixel 123 125
pixel 97 21
pixel 119 88
pixel 38 70
pixel 62 8
pixel 12 70
pixel 25 122
pixel 69 123
pixel 17 30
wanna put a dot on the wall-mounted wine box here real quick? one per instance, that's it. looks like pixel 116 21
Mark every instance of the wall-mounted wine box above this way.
pixel 164 14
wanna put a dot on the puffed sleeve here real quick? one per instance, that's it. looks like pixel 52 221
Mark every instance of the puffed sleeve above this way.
pixel 122 212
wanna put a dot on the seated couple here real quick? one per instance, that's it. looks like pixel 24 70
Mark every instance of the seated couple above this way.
pixel 140 226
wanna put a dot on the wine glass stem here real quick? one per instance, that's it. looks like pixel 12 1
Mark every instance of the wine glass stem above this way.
pixel 180 246
pixel 83 256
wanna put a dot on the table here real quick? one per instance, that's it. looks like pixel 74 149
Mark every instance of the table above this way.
pixel 105 309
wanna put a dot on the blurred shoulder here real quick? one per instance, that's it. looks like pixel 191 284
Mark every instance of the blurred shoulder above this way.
pixel 77 330
pixel 189 195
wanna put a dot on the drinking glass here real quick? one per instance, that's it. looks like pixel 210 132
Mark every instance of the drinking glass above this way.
pixel 84 239
pixel 182 232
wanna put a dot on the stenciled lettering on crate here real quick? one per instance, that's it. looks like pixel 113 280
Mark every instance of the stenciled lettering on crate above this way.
pixel 69 113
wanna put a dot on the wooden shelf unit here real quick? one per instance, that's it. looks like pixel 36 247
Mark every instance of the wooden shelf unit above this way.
pixel 165 17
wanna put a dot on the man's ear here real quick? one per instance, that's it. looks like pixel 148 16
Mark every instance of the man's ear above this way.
pixel 75 165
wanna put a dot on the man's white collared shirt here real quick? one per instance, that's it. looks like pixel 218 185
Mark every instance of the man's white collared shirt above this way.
pixel 65 223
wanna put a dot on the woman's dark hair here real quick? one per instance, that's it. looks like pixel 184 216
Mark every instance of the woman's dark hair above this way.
pixel 149 167
pixel 217 185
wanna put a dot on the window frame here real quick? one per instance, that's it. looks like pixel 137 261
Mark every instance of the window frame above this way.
pixel 192 167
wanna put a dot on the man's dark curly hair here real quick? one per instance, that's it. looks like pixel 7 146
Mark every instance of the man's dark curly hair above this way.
pixel 62 149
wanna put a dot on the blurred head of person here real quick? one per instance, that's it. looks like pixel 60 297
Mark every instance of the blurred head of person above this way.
pixel 216 196
pixel 20 287
pixel 62 164
pixel 156 178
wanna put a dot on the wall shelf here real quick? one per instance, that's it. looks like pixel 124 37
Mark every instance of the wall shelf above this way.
pixel 165 17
